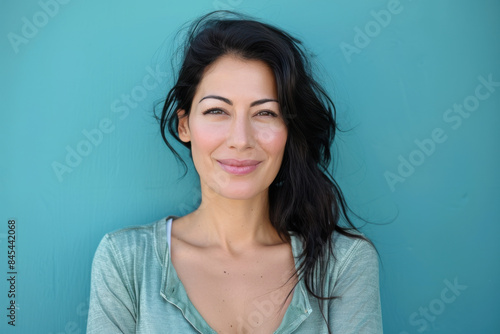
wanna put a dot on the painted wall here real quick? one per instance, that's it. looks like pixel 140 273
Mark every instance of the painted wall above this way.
pixel 417 82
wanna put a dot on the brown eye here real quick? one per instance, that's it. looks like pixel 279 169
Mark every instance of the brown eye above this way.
pixel 214 111
pixel 267 113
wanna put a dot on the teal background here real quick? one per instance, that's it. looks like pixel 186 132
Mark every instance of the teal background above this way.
pixel 66 78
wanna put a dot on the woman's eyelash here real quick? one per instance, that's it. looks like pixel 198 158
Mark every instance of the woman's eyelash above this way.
pixel 214 111
pixel 218 111
pixel 267 113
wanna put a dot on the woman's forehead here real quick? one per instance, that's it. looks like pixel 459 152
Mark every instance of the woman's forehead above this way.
pixel 231 76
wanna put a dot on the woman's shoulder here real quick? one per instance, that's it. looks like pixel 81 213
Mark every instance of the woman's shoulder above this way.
pixel 353 249
pixel 137 240
pixel 349 251
pixel 131 235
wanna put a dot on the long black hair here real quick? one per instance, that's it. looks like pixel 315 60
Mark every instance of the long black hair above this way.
pixel 304 199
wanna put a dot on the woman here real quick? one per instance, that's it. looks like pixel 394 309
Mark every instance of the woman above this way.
pixel 264 252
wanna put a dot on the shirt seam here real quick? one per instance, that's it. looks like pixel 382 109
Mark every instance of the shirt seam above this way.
pixel 348 258
pixel 121 267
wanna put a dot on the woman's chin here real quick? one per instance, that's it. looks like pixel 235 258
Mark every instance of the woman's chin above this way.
pixel 240 193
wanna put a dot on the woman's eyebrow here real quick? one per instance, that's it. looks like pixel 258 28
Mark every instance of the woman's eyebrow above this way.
pixel 253 104
pixel 218 98
pixel 262 101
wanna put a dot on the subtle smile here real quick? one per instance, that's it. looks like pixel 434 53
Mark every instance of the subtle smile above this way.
pixel 238 167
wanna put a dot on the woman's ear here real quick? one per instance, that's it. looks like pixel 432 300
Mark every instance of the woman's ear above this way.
pixel 183 128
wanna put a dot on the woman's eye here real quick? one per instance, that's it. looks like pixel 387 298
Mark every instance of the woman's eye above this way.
pixel 267 113
pixel 214 111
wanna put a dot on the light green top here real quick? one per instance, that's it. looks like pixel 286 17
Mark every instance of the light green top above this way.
pixel 135 289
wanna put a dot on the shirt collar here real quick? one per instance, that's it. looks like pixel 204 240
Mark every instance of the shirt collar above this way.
pixel 174 292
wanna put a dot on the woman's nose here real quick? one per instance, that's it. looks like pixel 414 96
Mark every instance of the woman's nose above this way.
pixel 241 135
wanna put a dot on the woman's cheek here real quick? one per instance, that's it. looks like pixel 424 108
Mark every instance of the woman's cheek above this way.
pixel 207 136
pixel 272 134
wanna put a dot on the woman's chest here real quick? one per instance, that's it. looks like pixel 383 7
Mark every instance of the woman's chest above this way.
pixel 248 295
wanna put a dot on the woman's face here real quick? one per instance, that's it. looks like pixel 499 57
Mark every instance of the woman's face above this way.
pixel 236 129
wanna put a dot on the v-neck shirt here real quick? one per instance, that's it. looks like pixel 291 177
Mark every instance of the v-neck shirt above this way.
pixel 135 289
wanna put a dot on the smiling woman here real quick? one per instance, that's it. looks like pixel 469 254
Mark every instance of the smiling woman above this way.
pixel 265 251
pixel 235 128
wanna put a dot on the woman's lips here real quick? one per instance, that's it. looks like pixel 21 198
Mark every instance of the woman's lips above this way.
pixel 238 167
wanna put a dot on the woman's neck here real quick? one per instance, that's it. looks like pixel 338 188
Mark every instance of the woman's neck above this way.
pixel 233 225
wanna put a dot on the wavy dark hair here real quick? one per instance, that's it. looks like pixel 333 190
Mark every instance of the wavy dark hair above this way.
pixel 304 199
